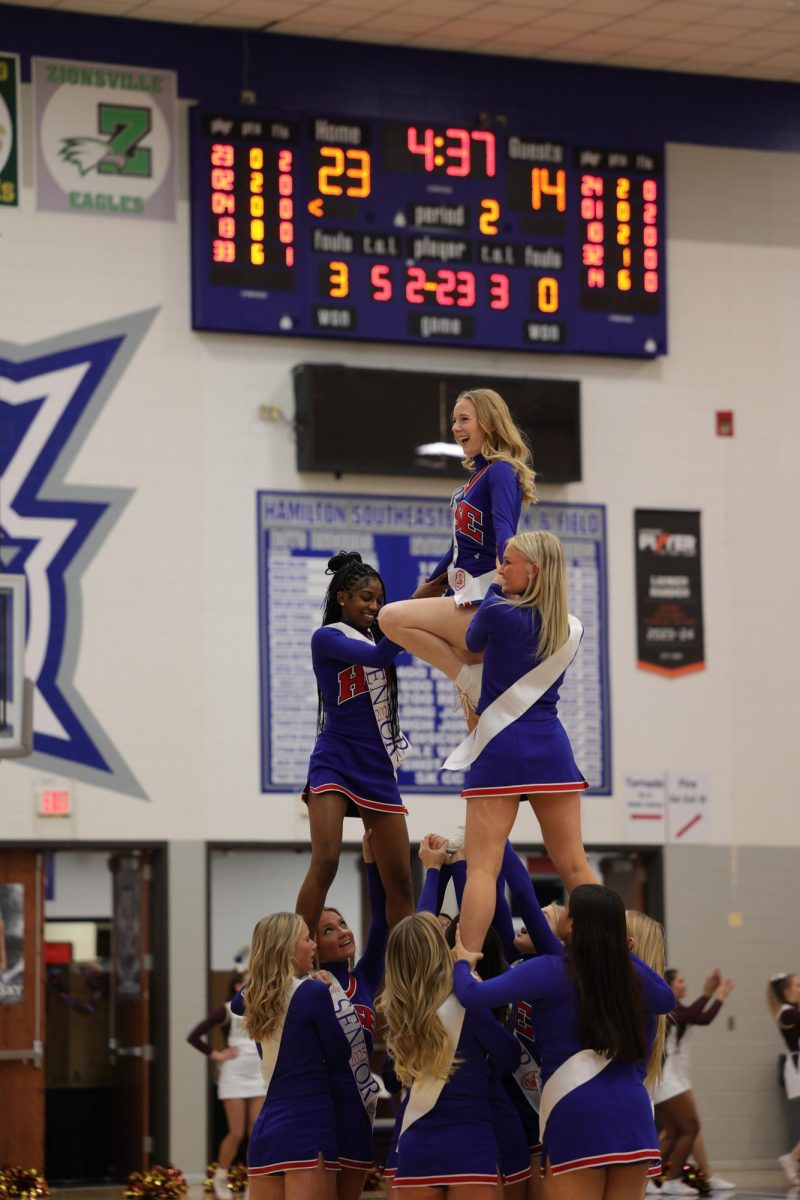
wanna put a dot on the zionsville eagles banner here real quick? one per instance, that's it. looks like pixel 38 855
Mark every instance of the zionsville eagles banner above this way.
pixel 669 598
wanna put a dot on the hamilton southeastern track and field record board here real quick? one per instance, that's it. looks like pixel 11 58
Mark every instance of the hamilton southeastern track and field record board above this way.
pixel 404 537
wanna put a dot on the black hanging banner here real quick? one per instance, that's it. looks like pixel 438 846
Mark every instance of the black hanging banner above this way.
pixel 669 600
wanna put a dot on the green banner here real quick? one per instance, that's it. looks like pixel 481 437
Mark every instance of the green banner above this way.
pixel 9 136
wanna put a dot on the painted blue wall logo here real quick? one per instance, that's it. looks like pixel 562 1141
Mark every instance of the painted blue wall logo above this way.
pixel 51 393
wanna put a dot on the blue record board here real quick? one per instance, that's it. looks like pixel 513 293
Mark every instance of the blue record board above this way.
pixel 408 232
pixel 404 537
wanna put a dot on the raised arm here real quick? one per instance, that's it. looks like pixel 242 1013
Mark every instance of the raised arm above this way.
pixel 371 962
pixel 218 1017
pixel 529 981
pixel 332 643
pixel 506 500
pixel 658 995
pixel 701 1012
pixel 523 895
pixel 499 1043
pixel 432 855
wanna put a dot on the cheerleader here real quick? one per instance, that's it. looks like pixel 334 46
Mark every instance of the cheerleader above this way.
pixel 355 1090
pixel 589 1008
pixel 239 1084
pixel 676 1109
pixel 302 1039
pixel 520 749
pixel 783 998
pixel 352 771
pixel 486 512
pixel 440 1053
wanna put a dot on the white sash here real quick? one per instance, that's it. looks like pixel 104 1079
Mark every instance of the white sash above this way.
pixel 580 1068
pixel 365 1081
pixel 270 1048
pixel 398 748
pixel 516 700
pixel 425 1092
pixel 528 1078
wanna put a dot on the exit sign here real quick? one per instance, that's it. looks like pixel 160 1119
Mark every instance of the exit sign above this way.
pixel 55 802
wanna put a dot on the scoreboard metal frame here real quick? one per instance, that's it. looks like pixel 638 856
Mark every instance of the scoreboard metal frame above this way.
pixel 392 231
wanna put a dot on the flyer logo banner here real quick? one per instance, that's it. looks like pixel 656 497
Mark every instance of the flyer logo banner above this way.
pixel 669 602
pixel 9 134
pixel 106 139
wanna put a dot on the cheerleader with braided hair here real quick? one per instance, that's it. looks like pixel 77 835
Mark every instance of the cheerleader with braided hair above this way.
pixel 352 771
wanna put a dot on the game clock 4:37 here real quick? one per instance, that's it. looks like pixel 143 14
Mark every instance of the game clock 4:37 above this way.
pixel 405 231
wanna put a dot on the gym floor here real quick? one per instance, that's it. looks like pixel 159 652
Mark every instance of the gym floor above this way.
pixel 751 1185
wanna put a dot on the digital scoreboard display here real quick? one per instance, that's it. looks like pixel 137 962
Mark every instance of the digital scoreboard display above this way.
pixel 433 235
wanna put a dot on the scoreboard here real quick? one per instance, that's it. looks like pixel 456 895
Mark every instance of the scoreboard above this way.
pixel 407 231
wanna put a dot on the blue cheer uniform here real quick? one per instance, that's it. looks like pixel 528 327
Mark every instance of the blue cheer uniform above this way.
pixel 454 1141
pixel 607 1120
pixel 486 512
pixel 533 753
pixel 349 756
pixel 353 1123
pixel 297 1121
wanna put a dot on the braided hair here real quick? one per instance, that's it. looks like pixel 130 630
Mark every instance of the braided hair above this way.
pixel 347 569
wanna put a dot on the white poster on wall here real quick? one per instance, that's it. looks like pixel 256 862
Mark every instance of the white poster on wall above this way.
pixel 645 807
pixel 105 139
pixel 689 806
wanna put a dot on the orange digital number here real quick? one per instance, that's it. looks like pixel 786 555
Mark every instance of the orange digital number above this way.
pixel 340 280
pixel 487 222
pixel 547 294
pixel 542 185
pixel 256 158
pixel 257 254
pixel 344 164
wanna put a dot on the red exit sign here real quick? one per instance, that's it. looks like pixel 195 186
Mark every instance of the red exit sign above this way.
pixel 55 802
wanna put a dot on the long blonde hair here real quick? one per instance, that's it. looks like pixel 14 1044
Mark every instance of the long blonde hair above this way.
pixel 419 977
pixel 648 942
pixel 547 590
pixel 503 441
pixel 272 969
pixel 776 993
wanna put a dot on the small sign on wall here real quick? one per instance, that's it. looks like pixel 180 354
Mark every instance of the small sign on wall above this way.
pixel 106 139
pixel 689 807
pixel 645 807
pixel 9 130
pixel 669 601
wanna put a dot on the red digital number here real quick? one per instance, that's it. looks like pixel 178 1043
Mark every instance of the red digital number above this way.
pixel 445 286
pixel 426 147
pixel 380 278
pixel 415 285
pixel 465 289
pixel 223 252
pixel 222 179
pixel 461 152
pixel 498 291
pixel 221 155
pixel 483 135
pixel 223 202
